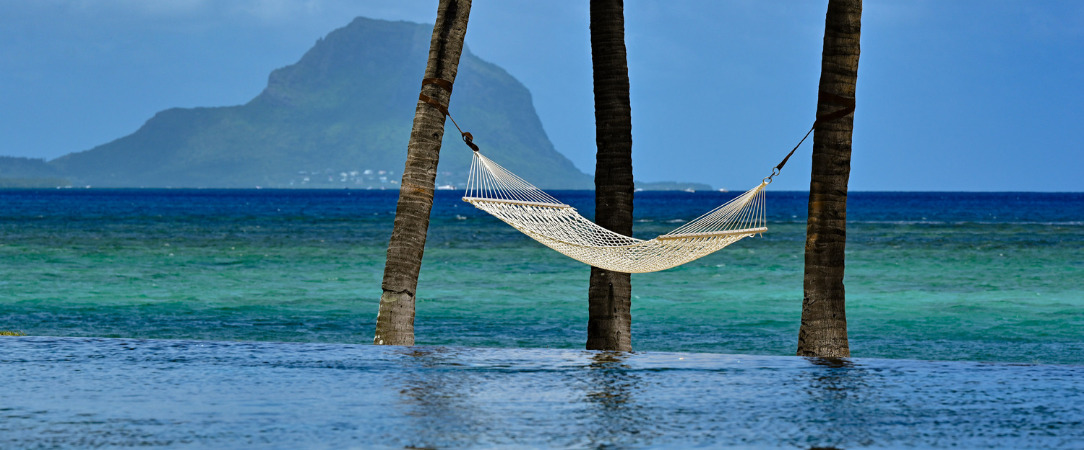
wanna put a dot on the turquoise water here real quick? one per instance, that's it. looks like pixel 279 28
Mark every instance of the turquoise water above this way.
pixel 227 319
pixel 943 276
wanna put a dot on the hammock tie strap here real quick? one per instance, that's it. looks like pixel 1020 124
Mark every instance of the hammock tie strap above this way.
pixel 447 86
pixel 822 97
pixel 439 82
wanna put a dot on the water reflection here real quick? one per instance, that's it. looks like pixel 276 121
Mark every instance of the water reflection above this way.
pixel 79 393
pixel 613 414
pixel 609 384
pixel 838 392
pixel 437 395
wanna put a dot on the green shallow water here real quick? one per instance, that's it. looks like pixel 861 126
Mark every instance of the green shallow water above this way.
pixel 980 277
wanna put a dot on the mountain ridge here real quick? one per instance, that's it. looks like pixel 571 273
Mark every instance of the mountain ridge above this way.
pixel 339 117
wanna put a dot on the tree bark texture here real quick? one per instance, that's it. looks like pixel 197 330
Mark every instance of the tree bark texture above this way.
pixel 395 319
pixel 823 331
pixel 609 295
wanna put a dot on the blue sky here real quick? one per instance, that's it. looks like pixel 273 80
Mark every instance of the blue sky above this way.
pixel 975 95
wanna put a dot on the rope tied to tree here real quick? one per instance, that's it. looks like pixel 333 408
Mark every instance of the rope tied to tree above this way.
pixel 447 86
pixel 822 97
pixel 542 217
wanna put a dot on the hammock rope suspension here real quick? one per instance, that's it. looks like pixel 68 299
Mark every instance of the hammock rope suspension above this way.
pixel 542 217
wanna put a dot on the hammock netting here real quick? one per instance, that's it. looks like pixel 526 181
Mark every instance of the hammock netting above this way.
pixel 508 197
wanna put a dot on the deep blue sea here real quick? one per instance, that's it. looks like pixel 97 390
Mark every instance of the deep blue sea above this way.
pixel 226 318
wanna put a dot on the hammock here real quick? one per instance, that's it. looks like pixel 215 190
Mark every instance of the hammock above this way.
pixel 508 197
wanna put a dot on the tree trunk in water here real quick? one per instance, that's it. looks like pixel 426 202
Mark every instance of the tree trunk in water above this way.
pixel 395 320
pixel 823 331
pixel 609 295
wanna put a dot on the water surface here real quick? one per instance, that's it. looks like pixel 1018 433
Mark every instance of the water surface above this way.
pixel 93 392
pixel 945 276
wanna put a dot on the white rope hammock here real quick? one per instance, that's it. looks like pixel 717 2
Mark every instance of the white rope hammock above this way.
pixel 508 197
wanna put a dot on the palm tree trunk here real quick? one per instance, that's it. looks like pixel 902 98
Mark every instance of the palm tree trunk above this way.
pixel 395 320
pixel 823 331
pixel 609 295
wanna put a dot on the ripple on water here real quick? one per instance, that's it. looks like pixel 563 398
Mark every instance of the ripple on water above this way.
pixel 124 392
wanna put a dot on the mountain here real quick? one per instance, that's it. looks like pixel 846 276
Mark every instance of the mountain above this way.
pixel 339 117
pixel 18 172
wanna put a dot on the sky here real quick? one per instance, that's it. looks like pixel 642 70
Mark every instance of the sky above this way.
pixel 963 95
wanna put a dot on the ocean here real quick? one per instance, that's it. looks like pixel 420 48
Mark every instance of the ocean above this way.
pixel 972 301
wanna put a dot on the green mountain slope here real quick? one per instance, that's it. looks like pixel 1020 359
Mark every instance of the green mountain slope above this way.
pixel 18 172
pixel 339 117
